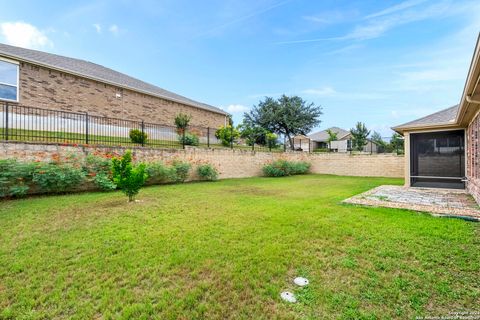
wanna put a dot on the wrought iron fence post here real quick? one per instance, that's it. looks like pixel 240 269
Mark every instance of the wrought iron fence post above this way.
pixel 6 121
pixel 183 137
pixel 86 128
pixel 208 137
pixel 143 133
pixel 284 144
pixel 253 146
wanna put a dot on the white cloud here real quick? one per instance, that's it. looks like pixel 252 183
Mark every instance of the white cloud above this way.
pixel 98 28
pixel 381 22
pixel 23 34
pixel 114 29
pixel 237 108
pixel 325 91
pixel 398 7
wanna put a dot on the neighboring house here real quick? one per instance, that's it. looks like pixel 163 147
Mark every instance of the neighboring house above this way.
pixel 302 143
pixel 443 149
pixel 342 144
pixel 39 79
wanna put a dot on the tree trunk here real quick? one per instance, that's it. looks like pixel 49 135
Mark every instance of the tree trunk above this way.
pixel 290 140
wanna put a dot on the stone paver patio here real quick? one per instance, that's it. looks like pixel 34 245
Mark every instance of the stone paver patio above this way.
pixel 438 202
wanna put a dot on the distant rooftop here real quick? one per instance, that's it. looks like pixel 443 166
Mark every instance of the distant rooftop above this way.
pixel 442 117
pixel 97 72
pixel 322 136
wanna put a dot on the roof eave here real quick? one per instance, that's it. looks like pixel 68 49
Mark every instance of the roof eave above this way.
pixel 49 66
pixel 446 125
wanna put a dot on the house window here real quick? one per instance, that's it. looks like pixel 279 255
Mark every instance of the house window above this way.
pixel 8 81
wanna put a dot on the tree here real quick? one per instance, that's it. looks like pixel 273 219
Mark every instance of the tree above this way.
pixel 332 136
pixel 228 135
pixel 289 116
pixel 359 136
pixel 182 121
pixel 127 177
pixel 377 139
pixel 397 142
pixel 272 140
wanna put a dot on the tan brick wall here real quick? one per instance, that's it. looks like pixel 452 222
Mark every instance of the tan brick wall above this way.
pixel 473 158
pixel 230 163
pixel 46 88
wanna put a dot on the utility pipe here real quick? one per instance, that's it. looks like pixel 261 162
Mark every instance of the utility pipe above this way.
pixel 470 100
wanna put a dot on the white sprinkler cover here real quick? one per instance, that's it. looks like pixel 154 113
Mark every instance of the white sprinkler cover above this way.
pixel 300 281
pixel 288 296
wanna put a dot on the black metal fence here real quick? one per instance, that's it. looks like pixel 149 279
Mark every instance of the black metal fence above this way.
pixel 32 124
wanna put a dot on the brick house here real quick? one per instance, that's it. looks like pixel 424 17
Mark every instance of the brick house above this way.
pixel 443 149
pixel 39 79
pixel 342 144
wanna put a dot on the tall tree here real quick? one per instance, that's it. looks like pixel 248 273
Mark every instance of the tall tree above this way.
pixel 332 136
pixel 359 136
pixel 289 116
pixel 397 142
pixel 377 139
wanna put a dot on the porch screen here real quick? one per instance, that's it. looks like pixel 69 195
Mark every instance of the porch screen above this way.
pixel 437 159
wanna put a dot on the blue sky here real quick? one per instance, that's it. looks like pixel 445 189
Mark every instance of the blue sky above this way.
pixel 380 62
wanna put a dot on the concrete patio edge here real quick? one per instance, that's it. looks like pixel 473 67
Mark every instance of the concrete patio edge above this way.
pixel 375 198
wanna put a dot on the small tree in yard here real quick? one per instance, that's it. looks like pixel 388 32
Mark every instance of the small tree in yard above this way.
pixel 182 121
pixel 227 135
pixel 359 136
pixel 127 177
pixel 332 136
pixel 289 116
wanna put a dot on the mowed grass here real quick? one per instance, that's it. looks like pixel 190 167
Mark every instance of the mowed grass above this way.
pixel 226 250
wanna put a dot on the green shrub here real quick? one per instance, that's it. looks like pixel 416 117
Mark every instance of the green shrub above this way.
pixel 282 168
pixel 54 177
pixel 300 167
pixel 104 182
pixel 227 135
pixel 100 169
pixel 127 177
pixel 137 136
pixel 190 139
pixel 182 169
pixel 207 172
pixel 15 178
pixel 160 173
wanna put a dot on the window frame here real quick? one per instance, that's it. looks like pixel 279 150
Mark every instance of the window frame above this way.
pixel 17 86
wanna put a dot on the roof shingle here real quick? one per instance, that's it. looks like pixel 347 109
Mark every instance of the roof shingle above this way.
pixel 442 117
pixel 322 136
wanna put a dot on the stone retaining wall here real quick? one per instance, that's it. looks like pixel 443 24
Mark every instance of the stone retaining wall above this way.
pixel 230 163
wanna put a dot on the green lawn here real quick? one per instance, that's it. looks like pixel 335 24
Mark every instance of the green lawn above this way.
pixel 227 249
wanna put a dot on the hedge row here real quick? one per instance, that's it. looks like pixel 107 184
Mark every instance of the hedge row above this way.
pixel 17 178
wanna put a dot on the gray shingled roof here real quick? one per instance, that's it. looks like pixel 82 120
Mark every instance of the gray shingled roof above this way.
pixel 97 72
pixel 322 136
pixel 442 117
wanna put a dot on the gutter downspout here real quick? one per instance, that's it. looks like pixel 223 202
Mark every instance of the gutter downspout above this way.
pixel 470 100
pixel 469 96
